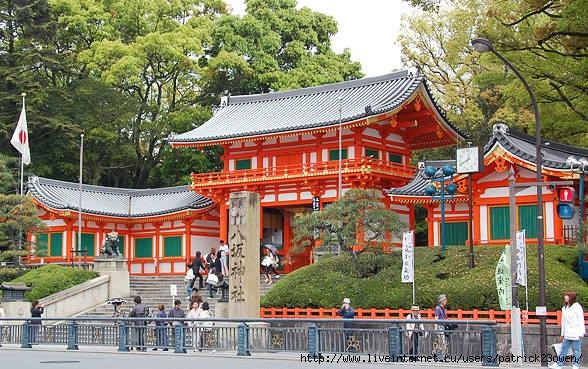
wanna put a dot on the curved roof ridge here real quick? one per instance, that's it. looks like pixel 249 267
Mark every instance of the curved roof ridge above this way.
pixel 344 85
pixel 112 201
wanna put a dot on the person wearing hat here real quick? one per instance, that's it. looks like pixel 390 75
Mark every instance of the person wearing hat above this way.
pixel 413 331
pixel 347 313
pixel 440 309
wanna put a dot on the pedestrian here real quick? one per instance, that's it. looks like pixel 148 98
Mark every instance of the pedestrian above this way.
pixel 206 338
pixel 2 315
pixel 177 313
pixel 443 347
pixel 414 330
pixel 140 310
pixel 270 262
pixel 161 328
pixel 194 313
pixel 210 259
pixel 37 309
pixel 224 250
pixel 212 282
pixel 347 313
pixel 572 331
pixel 197 266
pixel 189 280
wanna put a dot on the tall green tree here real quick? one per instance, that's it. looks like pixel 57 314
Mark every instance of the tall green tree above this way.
pixel 546 41
pixel 339 223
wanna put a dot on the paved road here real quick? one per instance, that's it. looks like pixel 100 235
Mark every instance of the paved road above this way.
pixel 100 358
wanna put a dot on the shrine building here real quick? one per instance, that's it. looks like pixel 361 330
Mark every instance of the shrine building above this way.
pixel 504 151
pixel 283 145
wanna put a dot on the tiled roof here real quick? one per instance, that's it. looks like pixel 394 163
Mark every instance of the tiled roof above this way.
pixel 117 202
pixel 518 144
pixel 523 146
pixel 416 187
pixel 306 108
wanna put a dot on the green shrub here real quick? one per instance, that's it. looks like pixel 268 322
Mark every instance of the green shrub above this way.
pixel 373 280
pixel 9 273
pixel 51 279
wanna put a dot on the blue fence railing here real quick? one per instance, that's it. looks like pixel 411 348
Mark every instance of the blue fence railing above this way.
pixel 391 339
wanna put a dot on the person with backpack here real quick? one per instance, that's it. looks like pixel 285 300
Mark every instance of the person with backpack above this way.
pixel 140 310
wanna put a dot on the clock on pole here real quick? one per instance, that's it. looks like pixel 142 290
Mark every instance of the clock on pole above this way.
pixel 469 160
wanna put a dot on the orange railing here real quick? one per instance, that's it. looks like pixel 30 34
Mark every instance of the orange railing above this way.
pixel 362 165
pixel 500 316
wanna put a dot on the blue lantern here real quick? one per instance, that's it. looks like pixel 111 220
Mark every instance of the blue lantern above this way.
pixel 448 170
pixel 430 190
pixel 451 188
pixel 430 171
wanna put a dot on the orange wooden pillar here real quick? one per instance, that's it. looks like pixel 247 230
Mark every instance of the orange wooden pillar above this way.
pixel 287 239
pixel 158 254
pixel 223 222
pixel 69 240
pixel 188 236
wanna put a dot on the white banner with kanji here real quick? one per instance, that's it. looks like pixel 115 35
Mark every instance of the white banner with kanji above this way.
pixel 407 257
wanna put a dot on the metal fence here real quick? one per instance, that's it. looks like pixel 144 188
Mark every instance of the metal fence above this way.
pixel 389 338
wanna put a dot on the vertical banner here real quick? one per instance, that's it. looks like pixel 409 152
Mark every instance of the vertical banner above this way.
pixel 407 257
pixel 503 277
pixel 521 258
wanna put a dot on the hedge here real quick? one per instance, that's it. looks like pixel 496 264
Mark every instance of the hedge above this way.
pixel 50 279
pixel 373 280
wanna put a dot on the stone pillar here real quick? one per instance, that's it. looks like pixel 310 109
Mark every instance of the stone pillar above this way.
pixel 244 228
pixel 116 268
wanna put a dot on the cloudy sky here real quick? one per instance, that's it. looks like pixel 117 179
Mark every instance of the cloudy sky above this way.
pixel 368 27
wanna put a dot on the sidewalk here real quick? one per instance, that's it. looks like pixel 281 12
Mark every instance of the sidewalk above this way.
pixel 273 359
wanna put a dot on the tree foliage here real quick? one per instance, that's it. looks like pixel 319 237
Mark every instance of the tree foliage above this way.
pixel 18 217
pixel 340 222
pixel 129 73
pixel 546 41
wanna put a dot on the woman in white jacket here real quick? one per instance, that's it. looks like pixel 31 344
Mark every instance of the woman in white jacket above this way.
pixel 572 330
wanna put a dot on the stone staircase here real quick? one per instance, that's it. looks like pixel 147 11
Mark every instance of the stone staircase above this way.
pixel 156 290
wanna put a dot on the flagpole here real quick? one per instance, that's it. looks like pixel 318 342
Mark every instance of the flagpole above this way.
pixel 79 248
pixel 21 161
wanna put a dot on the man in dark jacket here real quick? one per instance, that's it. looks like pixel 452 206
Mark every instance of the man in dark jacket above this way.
pixel 197 266
pixel 37 310
pixel 140 310
pixel 177 312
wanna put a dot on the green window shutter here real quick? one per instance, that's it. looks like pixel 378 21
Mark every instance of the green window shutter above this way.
pixel 528 220
pixel 334 154
pixel 144 247
pixel 121 244
pixel 395 158
pixel 172 246
pixel 42 244
pixel 56 244
pixel 243 164
pixel 87 244
pixel 373 153
pixel 499 223
pixel 456 233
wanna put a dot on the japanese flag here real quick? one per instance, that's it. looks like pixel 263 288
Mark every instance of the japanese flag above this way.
pixel 20 137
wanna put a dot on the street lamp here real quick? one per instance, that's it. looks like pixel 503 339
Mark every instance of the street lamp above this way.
pixel 483 45
pixel 434 175
pixel 580 166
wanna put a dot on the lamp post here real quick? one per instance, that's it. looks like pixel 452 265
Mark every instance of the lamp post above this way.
pixel 434 175
pixel 340 180
pixel 483 45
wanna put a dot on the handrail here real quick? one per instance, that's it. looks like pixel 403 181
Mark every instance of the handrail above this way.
pixel 361 165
